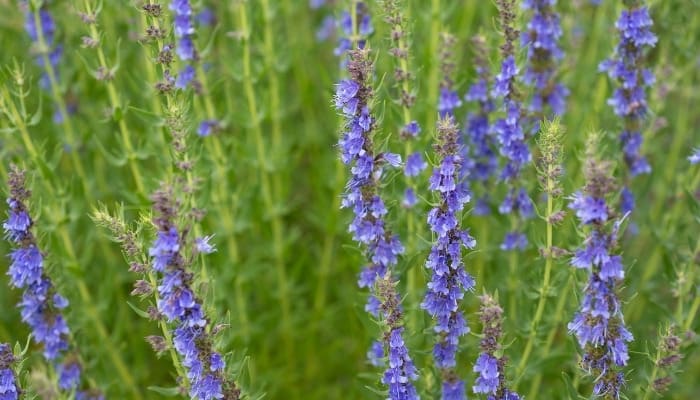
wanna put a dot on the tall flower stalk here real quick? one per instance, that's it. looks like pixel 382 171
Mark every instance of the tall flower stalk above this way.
pixel 480 160
pixel 368 228
pixel 41 28
pixel 627 68
pixel 449 279
pixel 491 364
pixel 510 132
pixel 550 170
pixel 41 306
pixel 543 53
pixel 448 100
pixel 599 325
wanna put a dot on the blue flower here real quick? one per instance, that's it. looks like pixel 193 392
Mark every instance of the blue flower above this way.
pixel 69 375
pixel 166 245
pixel 375 354
pixel 449 279
pixel 629 101
pixel 598 325
pixel 208 126
pixel 487 368
pixel 513 241
pixel 203 246
pixel 542 41
pixel 694 158
pixel 415 164
pixel 589 209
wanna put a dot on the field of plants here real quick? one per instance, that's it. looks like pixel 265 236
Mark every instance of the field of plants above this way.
pixel 345 199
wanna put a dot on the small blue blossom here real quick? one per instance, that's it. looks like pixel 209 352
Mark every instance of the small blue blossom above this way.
pixel 589 209
pixel 409 198
pixel 166 245
pixel 412 129
pixel 514 241
pixel 375 354
pixel 415 164
pixel 448 101
pixel 69 376
pixel 694 158
pixel 9 388
pixel 208 126
pixel 203 246
pixel 487 368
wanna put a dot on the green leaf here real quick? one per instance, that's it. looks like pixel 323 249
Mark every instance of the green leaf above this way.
pixel 573 394
pixel 137 310
pixel 167 392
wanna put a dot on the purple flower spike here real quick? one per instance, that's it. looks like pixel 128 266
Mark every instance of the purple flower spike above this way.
pixel 627 68
pixel 599 325
pixel 449 279
pixel 183 28
pixel 543 54
pixel 181 308
pixel 9 387
pixel 41 305
pixel 490 368
pixel 368 227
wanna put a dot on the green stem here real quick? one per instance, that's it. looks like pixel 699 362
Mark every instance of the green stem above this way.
pixel 654 373
pixel 545 282
pixel 433 75
pixel 269 204
pixel 114 103
pixel 561 304
pixel 93 314
pixel 58 99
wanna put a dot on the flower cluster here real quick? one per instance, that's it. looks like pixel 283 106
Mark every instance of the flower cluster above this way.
pixel 694 158
pixel 183 27
pixel 489 366
pixel 598 325
pixel 9 389
pixel 449 280
pixel 41 305
pixel 41 28
pixel 180 306
pixel 480 161
pixel 362 196
pixel 629 99
pixel 401 369
pixel 406 98
pixel 448 99
pixel 543 52
pixel 509 129
pixel 364 29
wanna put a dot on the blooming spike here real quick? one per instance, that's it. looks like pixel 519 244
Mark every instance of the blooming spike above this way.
pixel 598 325
pixel 368 226
pixel 449 279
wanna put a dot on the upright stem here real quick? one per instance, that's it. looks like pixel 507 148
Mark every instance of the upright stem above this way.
pixel 545 283
pixel 60 102
pixel 114 103
pixel 534 389
pixel 268 202
pixel 434 74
